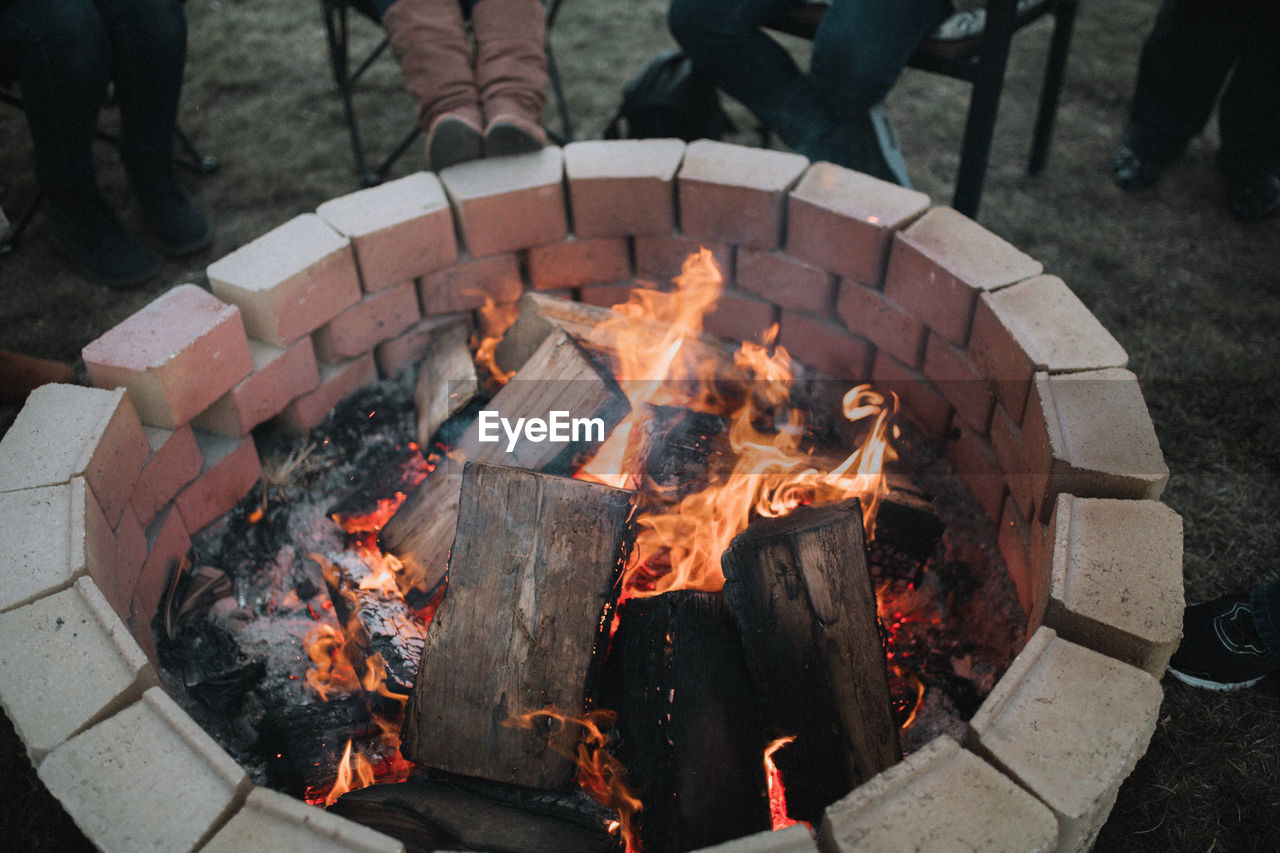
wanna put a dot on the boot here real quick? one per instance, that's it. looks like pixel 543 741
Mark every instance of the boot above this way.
pixel 511 70
pixel 179 227
pixel 429 38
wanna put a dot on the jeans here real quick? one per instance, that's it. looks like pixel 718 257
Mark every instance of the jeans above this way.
pixel 1265 603
pixel 859 50
pixel 64 52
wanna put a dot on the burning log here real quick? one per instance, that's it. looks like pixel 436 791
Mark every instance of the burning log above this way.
pixel 302 744
pixel 799 588
pixel 434 811
pixel 559 377
pixel 691 732
pixel 908 528
pixel 534 569
pixel 681 449
pixel 446 379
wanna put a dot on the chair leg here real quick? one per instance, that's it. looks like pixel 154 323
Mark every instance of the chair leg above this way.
pixel 1055 70
pixel 335 25
pixel 984 104
pixel 557 87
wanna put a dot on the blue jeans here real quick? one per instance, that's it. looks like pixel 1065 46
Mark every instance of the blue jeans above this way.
pixel 1265 603
pixel 859 50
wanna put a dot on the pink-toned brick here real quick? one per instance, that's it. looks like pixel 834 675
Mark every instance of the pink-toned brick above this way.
pixel 399 230
pixel 825 345
pixel 279 376
pixel 1116 578
pixel 175 356
pixel 131 553
pixel 470 283
pixel 230 470
pixel 175 461
pixel 574 263
pixel 623 187
pixel 1013 537
pixel 660 259
pixel 1026 473
pixel 1068 724
pixel 843 221
pixel 733 194
pixel 406 350
pixel 378 317
pixel 167 543
pixel 976 465
pixel 740 317
pixel 336 382
pixel 967 390
pixel 290 281
pixel 66 431
pixel 877 318
pixel 785 281
pixel 941 262
pixel 608 295
pixel 506 203
pixel 1038 324
pixel 921 402
pixel 51 536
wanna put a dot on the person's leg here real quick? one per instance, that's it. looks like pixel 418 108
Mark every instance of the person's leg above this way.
pixel 1249 116
pixel 511 71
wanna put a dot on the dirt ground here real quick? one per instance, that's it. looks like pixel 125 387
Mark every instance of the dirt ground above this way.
pixel 1193 295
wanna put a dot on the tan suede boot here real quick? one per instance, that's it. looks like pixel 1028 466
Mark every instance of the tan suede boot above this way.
pixel 511 70
pixel 430 39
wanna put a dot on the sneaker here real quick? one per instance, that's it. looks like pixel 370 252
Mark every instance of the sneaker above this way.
pixel 87 231
pixel 179 227
pixel 1132 172
pixel 1253 197
pixel 1220 648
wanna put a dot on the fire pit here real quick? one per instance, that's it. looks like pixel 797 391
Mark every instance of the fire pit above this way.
pixel 994 360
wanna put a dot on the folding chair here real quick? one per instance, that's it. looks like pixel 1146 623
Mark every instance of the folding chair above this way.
pixel 974 47
pixel 345 78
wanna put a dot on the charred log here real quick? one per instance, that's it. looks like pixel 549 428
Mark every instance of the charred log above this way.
pixel 301 745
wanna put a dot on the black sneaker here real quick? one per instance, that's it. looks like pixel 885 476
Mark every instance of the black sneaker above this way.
pixel 1133 172
pixel 1220 648
pixel 179 227
pixel 85 229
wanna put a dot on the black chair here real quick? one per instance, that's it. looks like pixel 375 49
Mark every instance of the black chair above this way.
pixel 346 76
pixel 975 49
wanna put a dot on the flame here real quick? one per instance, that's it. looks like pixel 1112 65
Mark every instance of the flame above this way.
pixel 773 783
pixel 354 771
pixel 494 321
pixel 332 672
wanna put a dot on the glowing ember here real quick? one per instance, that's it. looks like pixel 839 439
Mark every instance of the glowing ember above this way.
pixel 773 783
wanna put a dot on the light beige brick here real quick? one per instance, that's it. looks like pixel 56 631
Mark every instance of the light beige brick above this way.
pixel 574 263
pixel 740 317
pixel 67 431
pixel 940 798
pixel 1116 578
pixel 843 221
pixel 408 349
pixel 337 381
pixel 1068 724
pixel 51 536
pixel 622 187
pixel 506 203
pixel 117 779
pixel 175 461
pixel 874 316
pixel 175 356
pixel 956 377
pixel 785 281
pixel 941 262
pixel 399 230
pixel 279 376
pixel 470 283
pixel 921 402
pixel 378 317
pixel 976 464
pixel 794 839
pixel 733 194
pixel 1037 325
pixel 67 661
pixel 271 820
pixel 230 470
pixel 290 281
pixel 660 259
pixel 825 345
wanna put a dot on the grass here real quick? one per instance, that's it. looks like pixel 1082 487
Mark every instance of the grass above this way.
pixel 1193 295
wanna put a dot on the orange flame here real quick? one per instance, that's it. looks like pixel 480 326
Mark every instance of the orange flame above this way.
pixel 354 771
pixel 494 321
pixel 773 783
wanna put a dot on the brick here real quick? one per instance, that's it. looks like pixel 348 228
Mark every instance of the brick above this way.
pixel 825 345
pixel 1116 578
pixel 1026 474
pixel 290 281
pixel 794 839
pixel 408 349
pixel 175 356
pixel 941 262
pixel 843 221
pixel 131 553
pixel 175 461
pixel 574 263
pixel 921 402
pixel 67 431
pixel 1068 724
pixel 470 283
pixel 740 317
pixel 733 194
pixel 131 800
pixel 378 317
pixel 1037 325
pixel 976 465
pixel 271 820
pixel 279 376
pixel 1013 538
pixel 660 259
pixel 608 295
pixel 785 281
pixel 877 318
pixel 623 187
pixel 337 381
pixel 167 543
pixel 506 203
pixel 67 661
pixel 399 230
pixel 941 797
pixel 956 377
pixel 230 470
pixel 52 535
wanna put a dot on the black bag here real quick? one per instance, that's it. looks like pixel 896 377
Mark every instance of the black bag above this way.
pixel 669 99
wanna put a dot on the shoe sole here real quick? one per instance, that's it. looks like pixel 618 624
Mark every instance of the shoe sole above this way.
pixel 453 141
pixel 1217 686
pixel 508 140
